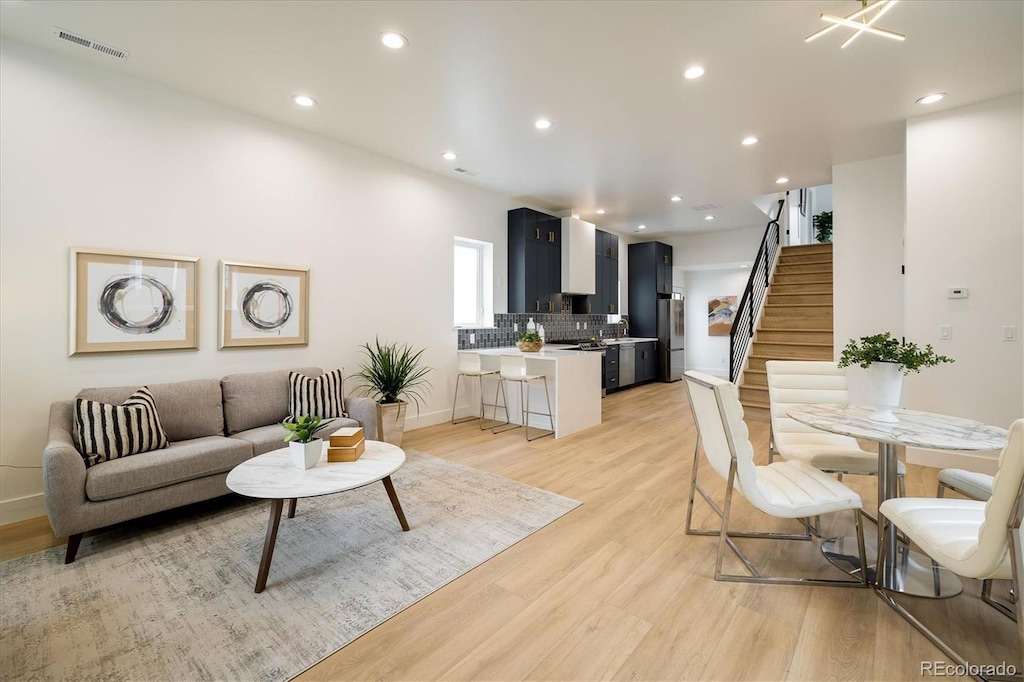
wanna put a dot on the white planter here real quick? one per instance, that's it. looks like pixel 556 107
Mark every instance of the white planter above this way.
pixel 391 422
pixel 306 455
pixel 886 385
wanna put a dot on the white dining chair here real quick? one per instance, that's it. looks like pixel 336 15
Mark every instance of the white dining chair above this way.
pixel 976 486
pixel 790 489
pixel 469 366
pixel 513 369
pixel 971 538
pixel 807 382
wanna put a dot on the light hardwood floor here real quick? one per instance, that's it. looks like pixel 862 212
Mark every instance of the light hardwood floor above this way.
pixel 616 589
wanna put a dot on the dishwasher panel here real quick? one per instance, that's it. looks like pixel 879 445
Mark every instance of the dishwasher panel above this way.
pixel 627 364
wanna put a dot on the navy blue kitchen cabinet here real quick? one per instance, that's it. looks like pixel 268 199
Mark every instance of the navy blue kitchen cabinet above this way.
pixel 534 262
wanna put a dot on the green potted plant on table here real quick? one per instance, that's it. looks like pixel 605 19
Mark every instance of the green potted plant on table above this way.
pixel 305 448
pixel 393 375
pixel 822 223
pixel 888 360
pixel 530 342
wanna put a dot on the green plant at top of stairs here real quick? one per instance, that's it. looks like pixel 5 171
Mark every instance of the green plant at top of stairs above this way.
pixel 823 226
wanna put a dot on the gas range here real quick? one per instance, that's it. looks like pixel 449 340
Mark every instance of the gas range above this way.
pixel 593 345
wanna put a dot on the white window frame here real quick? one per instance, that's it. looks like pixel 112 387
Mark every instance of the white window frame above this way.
pixel 484 282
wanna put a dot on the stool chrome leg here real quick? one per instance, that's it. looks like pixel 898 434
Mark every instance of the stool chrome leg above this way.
pixel 550 415
pixel 502 390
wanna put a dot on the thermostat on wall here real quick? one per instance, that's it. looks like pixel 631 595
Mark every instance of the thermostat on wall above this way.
pixel 958 292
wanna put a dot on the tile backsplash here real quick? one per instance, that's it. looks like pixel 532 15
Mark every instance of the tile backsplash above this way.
pixel 557 327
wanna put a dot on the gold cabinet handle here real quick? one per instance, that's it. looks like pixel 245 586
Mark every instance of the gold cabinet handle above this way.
pixel 536 306
pixel 551 237
pixel 538 234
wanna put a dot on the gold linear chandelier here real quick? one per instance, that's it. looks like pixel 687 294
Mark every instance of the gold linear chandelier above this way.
pixel 861 21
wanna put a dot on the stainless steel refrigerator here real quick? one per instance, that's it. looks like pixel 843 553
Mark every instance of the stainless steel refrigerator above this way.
pixel 671 349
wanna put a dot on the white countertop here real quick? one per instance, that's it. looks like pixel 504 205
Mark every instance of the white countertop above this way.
pixel 545 353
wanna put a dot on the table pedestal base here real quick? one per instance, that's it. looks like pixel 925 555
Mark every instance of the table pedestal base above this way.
pixel 913 572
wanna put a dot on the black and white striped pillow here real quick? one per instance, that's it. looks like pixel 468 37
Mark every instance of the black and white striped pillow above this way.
pixel 319 397
pixel 105 432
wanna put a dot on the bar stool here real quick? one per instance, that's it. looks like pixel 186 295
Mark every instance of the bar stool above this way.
pixel 469 366
pixel 513 368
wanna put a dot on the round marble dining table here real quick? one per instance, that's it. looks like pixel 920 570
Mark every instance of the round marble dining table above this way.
pixel 902 570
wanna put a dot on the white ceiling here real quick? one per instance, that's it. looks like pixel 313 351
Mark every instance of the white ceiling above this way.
pixel 628 131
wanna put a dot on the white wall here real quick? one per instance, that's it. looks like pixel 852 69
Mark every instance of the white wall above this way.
pixel 965 228
pixel 91 158
pixel 867 252
pixel 705 353
pixel 713 249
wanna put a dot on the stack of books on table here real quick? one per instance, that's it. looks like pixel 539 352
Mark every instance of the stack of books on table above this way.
pixel 346 445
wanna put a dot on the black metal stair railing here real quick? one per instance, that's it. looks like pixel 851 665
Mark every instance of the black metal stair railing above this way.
pixel 753 296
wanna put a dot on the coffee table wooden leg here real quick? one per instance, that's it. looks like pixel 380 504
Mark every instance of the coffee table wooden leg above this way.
pixel 276 506
pixel 291 508
pixel 390 487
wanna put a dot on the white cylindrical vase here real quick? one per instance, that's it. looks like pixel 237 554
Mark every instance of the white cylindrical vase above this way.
pixel 886 380
pixel 306 455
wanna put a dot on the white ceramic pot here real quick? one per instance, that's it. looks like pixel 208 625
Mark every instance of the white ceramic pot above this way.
pixel 306 455
pixel 391 422
pixel 886 382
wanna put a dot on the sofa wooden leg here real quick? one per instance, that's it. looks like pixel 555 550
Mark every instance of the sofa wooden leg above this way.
pixel 73 542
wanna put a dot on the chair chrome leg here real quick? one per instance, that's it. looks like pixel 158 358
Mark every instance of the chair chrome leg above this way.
pixel 525 406
pixel 455 400
pixel 502 390
pixel 860 547
pixel 550 415
pixel 693 486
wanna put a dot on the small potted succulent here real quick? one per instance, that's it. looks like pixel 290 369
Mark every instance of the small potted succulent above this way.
pixel 530 342
pixel 888 361
pixel 305 448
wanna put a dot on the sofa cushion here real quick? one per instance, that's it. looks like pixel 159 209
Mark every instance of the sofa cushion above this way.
pixel 104 432
pixel 268 438
pixel 258 398
pixel 317 397
pixel 184 461
pixel 188 409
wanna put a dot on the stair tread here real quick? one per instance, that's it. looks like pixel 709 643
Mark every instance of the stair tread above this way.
pixel 798 305
pixel 794 343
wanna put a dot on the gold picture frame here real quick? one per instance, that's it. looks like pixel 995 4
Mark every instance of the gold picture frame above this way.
pixel 123 301
pixel 263 305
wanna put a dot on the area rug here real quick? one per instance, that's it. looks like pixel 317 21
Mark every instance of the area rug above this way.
pixel 174 600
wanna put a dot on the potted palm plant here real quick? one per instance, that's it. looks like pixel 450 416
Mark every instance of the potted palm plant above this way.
pixel 393 375
pixel 888 360
pixel 305 449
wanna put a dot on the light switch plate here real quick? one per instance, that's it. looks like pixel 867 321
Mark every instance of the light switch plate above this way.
pixel 958 292
pixel 1009 333
pixel 472 338
pixel 945 331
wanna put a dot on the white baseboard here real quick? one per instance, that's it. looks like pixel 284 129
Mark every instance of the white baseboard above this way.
pixel 982 462
pixel 21 508
pixel 424 419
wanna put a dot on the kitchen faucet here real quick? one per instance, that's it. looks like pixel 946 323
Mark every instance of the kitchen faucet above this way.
pixel 618 328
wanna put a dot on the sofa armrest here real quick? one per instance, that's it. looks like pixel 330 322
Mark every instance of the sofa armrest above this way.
pixel 63 474
pixel 364 411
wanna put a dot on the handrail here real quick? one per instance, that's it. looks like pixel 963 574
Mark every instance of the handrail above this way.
pixel 753 296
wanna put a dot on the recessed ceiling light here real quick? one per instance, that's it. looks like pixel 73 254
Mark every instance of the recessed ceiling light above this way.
pixel 450 156
pixel 693 72
pixel 396 41
pixel 932 98
pixel 304 100
pixel 542 124
pixel 601 211
pixel 749 140
pixel 641 227
pixel 676 198
pixel 709 217
pixel 782 181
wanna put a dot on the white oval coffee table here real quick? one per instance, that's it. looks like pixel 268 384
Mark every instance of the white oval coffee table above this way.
pixel 273 476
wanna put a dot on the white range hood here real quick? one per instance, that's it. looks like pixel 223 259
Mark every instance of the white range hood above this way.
pixel 578 264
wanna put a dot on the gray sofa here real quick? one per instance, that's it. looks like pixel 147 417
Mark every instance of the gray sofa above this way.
pixel 212 424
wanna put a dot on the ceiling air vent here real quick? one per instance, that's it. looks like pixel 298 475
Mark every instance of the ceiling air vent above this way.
pixel 466 171
pixel 91 44
pixel 706 207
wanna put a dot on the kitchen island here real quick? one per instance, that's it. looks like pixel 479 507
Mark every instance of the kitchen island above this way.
pixel 574 387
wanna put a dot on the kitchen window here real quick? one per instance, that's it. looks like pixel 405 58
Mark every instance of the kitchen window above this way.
pixel 473 292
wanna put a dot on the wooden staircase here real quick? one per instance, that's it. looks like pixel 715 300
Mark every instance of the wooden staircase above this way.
pixel 797 321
